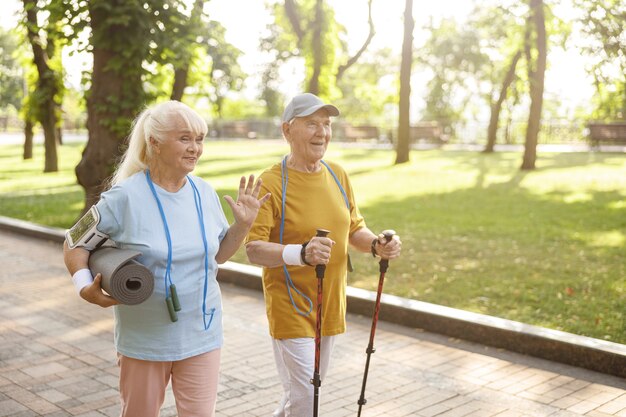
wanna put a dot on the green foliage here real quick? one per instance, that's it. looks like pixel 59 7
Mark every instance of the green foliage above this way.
pixel 74 110
pixel 159 80
pixel 500 42
pixel 543 247
pixel 331 50
pixel 283 44
pixel 240 109
pixel 603 23
pixel 45 85
pixel 139 37
pixel 369 88
pixel 129 32
pixel 270 96
pixel 470 60
pixel 170 37
pixel 27 109
pixel 225 73
pixel 610 101
pixel 185 38
pixel 11 76
pixel 454 55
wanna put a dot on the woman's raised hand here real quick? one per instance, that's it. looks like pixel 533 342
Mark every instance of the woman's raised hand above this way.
pixel 246 208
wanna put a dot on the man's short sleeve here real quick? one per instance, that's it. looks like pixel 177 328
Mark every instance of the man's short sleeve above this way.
pixel 266 219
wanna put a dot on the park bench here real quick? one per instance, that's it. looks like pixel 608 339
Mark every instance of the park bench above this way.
pixel 427 131
pixel 354 133
pixel 606 133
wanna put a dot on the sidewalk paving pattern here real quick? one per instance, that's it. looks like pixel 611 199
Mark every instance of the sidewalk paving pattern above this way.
pixel 57 359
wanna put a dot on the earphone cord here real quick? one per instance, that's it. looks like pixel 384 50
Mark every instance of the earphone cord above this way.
pixel 167 277
pixel 285 180
pixel 289 281
pixel 198 200
pixel 343 192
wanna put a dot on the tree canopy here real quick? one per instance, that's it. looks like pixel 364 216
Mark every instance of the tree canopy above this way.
pixel 495 59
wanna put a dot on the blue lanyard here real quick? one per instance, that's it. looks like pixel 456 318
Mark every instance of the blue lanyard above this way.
pixel 284 175
pixel 168 277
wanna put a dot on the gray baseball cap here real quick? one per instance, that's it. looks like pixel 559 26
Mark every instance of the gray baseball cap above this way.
pixel 306 104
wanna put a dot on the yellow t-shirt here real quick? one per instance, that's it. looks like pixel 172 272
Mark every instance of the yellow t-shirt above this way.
pixel 313 201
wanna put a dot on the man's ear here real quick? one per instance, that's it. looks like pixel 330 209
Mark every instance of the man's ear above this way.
pixel 286 128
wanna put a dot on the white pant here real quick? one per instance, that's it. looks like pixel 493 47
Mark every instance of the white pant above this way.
pixel 295 362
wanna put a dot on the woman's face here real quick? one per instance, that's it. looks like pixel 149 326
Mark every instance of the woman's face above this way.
pixel 180 149
pixel 309 136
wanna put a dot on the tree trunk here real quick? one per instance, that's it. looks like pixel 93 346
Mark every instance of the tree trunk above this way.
pixel 497 106
pixel 182 70
pixel 536 78
pixel 28 139
pixel 314 81
pixel 402 149
pixel 50 137
pixel 180 82
pixel 104 144
pixel 46 88
pixel 291 10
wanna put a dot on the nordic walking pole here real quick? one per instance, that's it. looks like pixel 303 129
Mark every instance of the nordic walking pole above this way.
pixel 316 381
pixel 384 264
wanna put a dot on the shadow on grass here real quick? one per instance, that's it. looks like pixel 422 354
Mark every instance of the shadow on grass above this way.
pixel 57 208
pixel 494 248
pixel 507 252
pixel 545 161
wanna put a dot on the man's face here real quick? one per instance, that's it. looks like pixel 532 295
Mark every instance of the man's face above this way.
pixel 309 136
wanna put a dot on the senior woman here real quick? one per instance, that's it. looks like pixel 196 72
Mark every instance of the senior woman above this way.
pixel 307 193
pixel 175 219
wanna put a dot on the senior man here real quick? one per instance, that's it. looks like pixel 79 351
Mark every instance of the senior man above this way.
pixel 307 193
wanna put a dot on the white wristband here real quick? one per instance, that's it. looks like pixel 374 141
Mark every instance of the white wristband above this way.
pixel 81 279
pixel 291 255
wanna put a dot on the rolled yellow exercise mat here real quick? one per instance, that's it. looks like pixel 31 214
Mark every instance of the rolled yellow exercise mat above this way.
pixel 123 278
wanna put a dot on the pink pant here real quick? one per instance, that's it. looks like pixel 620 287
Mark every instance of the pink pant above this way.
pixel 194 383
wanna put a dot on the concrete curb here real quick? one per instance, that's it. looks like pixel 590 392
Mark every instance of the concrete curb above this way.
pixel 594 354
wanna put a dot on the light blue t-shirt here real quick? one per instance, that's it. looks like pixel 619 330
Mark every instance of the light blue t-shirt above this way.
pixel 130 216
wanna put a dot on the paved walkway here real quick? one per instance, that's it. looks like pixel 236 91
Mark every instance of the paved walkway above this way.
pixel 57 359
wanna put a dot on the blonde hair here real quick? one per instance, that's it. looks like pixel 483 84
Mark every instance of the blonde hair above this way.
pixel 154 122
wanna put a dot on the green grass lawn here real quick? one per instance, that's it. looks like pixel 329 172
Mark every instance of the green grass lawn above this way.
pixel 546 247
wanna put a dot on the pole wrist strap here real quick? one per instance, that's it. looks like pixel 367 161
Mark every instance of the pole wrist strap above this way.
pixel 374 252
pixel 303 254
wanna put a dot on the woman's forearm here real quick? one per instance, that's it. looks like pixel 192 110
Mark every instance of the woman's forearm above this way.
pixel 231 242
pixel 75 259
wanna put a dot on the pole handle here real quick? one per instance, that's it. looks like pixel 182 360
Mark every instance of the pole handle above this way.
pixel 320 269
pixel 322 233
pixel 384 263
pixel 388 234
